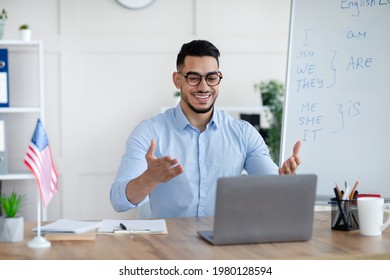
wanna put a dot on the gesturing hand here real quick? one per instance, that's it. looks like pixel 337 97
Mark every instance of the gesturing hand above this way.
pixel 291 164
pixel 163 169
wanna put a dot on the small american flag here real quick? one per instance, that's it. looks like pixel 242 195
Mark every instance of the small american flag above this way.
pixel 38 158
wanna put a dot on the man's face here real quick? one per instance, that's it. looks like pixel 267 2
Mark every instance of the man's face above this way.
pixel 199 98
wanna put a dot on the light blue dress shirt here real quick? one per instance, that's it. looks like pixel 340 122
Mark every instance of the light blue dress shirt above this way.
pixel 225 148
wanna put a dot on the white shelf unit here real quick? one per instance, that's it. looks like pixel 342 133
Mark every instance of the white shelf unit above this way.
pixel 35 50
pixel 20 110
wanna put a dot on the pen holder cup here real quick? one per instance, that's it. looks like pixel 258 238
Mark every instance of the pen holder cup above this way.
pixel 344 215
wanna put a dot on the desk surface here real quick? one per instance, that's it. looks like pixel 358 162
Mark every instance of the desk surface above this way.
pixel 183 243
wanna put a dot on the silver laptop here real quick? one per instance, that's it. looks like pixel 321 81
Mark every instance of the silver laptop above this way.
pixel 257 209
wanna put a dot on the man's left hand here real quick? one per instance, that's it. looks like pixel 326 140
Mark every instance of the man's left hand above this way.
pixel 291 164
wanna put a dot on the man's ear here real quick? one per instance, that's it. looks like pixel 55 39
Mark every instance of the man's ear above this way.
pixel 176 80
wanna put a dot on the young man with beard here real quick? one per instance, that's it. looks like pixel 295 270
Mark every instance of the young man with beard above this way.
pixel 174 159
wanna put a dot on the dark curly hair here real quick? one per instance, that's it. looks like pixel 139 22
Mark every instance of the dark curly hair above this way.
pixel 196 48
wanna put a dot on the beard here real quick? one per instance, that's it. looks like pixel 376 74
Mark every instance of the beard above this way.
pixel 198 110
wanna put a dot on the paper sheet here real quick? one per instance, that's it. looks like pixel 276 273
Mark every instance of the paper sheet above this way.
pixel 134 226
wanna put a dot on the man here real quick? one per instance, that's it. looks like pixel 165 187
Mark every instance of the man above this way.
pixel 174 159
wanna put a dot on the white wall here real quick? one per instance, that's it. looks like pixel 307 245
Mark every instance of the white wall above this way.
pixel 107 68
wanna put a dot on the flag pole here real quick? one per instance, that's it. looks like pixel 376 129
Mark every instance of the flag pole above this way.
pixel 39 241
pixel 39 160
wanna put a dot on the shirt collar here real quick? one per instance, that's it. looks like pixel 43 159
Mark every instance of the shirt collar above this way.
pixel 182 121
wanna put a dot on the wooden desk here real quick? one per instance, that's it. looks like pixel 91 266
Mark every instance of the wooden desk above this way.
pixel 183 243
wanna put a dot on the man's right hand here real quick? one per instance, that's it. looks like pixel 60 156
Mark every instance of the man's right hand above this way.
pixel 160 170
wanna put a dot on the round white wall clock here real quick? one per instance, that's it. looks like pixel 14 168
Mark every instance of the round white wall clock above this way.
pixel 135 4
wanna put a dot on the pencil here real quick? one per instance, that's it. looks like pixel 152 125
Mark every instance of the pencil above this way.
pixel 354 188
pixel 338 190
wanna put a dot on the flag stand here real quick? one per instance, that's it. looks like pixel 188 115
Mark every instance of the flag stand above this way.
pixel 39 160
pixel 39 241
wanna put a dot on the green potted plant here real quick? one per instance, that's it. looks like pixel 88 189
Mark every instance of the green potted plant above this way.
pixel 176 95
pixel 3 18
pixel 24 27
pixel 271 93
pixel 25 32
pixel 11 225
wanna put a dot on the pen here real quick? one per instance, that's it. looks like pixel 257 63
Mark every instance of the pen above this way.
pixel 345 186
pixel 338 189
pixel 346 193
pixel 354 188
pixel 135 231
pixel 355 195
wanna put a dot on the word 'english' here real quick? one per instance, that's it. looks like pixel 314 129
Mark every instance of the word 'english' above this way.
pixel 356 6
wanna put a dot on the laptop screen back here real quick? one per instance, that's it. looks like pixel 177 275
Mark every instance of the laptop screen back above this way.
pixel 271 208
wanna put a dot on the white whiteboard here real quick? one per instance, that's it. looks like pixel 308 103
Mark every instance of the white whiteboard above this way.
pixel 338 93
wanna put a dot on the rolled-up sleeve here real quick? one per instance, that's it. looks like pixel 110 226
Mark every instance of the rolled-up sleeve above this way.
pixel 258 160
pixel 132 165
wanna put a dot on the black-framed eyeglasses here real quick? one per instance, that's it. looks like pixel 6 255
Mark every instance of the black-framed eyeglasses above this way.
pixel 194 79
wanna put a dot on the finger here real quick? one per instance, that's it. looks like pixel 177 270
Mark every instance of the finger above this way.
pixel 296 148
pixel 165 163
pixel 286 168
pixel 175 171
pixel 171 173
pixel 150 152
pixel 289 166
pixel 292 165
